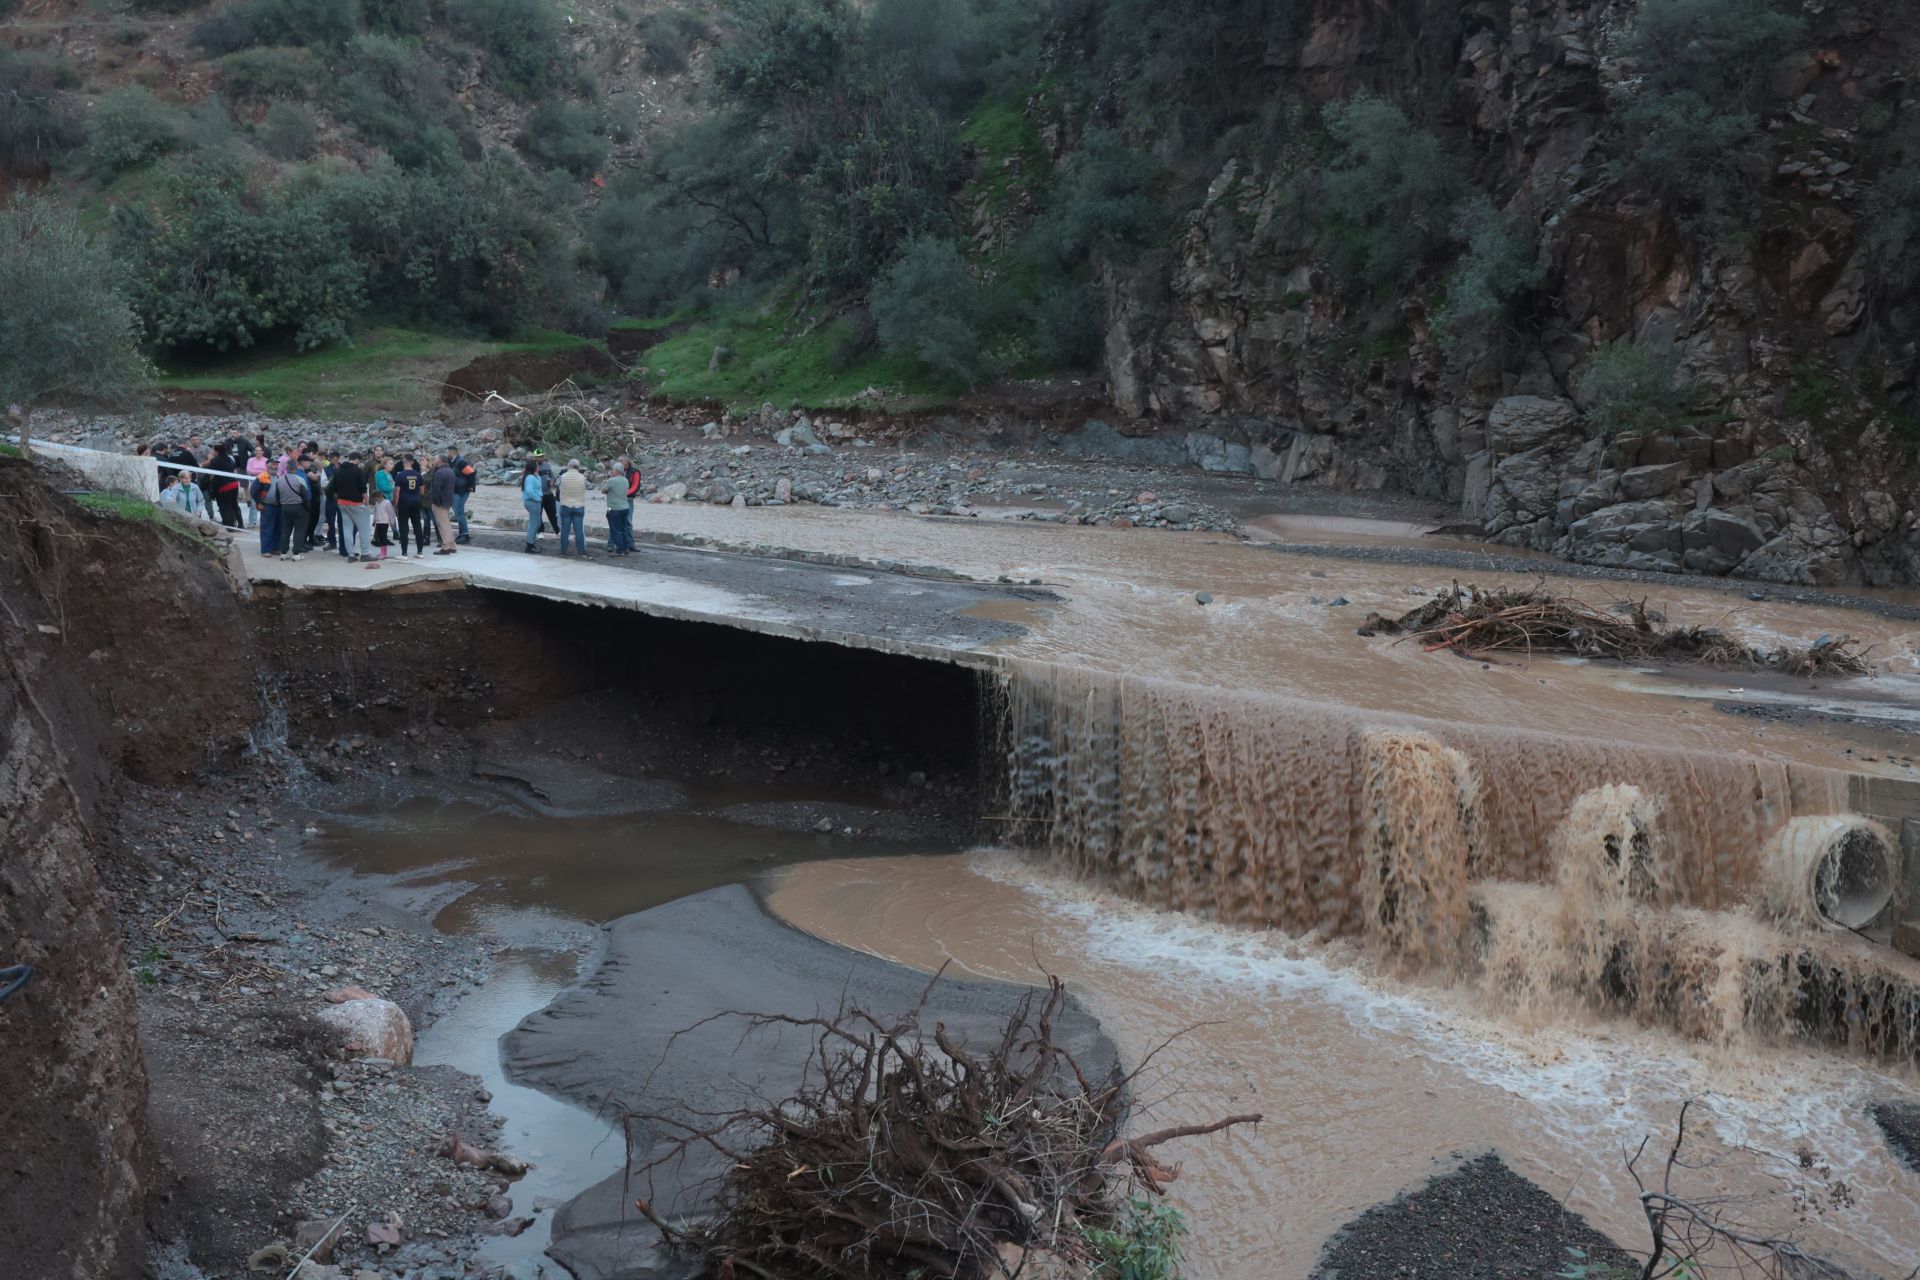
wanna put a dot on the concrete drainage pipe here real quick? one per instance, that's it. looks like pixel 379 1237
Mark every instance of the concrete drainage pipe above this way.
pixel 1832 871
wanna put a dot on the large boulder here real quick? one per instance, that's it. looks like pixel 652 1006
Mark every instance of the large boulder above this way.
pixel 1524 422
pixel 1650 481
pixel 372 1028
pixel 1525 489
pixel 1730 532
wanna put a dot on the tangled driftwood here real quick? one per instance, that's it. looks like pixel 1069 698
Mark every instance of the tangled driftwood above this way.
pixel 1471 621
pixel 907 1154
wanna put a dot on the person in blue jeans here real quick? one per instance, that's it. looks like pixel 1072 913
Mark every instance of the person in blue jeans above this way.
pixel 573 508
pixel 464 479
pixel 619 510
pixel 532 491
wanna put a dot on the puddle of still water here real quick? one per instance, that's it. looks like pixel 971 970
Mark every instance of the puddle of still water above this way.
pixel 534 887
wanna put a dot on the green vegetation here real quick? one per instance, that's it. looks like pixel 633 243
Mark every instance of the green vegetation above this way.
pixel 130 127
pixel 669 36
pixel 384 371
pixel 823 367
pixel 565 135
pixel 259 75
pixel 1625 388
pixel 65 332
pixel 1389 192
pixel 1007 150
pixel 124 506
pixel 928 305
pixel 1146 1248
pixel 1692 109
pixel 40 120
pixel 522 38
pixel 1499 264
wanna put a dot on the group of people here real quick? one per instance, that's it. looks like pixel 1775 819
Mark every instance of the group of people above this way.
pixel 561 500
pixel 366 502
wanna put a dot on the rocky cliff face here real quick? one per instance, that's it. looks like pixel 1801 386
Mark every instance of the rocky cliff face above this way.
pixel 113 659
pixel 1793 463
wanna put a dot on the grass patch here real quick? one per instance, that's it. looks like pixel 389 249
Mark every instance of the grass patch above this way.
pixel 119 504
pixel 648 324
pixel 801 372
pixel 386 372
pixel 1009 149
pixel 10 450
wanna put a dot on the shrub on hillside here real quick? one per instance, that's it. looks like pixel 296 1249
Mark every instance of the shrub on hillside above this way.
pixel 566 136
pixel 260 75
pixel 319 24
pixel 1388 193
pixel 521 38
pixel 1108 199
pixel 395 17
pixel 929 306
pixel 130 127
pixel 668 37
pixel 288 132
pixel 1064 324
pixel 395 98
pixel 66 332
pixel 210 125
pixel 220 263
pixel 1626 388
pixel 39 120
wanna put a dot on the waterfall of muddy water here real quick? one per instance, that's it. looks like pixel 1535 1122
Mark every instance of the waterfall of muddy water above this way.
pixel 1269 810
pixel 1372 1083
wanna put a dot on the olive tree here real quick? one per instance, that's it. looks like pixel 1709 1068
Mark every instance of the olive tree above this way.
pixel 65 331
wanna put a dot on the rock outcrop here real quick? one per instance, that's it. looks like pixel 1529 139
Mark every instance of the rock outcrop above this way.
pixel 1243 340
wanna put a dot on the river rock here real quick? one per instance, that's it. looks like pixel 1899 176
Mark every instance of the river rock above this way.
pixel 318 1237
pixel 671 492
pixel 1211 453
pixel 1717 539
pixel 372 1028
pixel 1523 422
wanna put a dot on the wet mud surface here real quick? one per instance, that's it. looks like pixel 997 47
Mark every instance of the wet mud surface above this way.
pixel 1900 1122
pixel 1481 1219
pixel 633 1035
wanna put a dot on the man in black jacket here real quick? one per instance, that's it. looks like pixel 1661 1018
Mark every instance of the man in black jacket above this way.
pixel 350 492
pixel 223 489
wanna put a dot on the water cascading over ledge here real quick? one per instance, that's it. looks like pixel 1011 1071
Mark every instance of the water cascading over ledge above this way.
pixel 1552 871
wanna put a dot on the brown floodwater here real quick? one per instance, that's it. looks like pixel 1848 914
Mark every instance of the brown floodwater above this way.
pixel 1275 626
pixel 1370 1084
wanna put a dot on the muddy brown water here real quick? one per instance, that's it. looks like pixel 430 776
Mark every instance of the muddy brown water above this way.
pixel 534 886
pixel 1371 1085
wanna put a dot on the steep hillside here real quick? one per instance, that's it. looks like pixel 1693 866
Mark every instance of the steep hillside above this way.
pixel 1629 280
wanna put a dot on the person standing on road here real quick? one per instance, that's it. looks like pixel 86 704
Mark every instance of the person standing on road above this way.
pixel 350 493
pixel 409 501
pixel 261 500
pixel 223 487
pixel 443 490
pixel 573 508
pixel 336 540
pixel 619 510
pixel 549 490
pixel 532 494
pixel 198 448
pixel 625 464
pixel 290 499
pixel 465 479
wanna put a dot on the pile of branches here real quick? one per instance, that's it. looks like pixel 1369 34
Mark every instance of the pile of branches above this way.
pixel 1473 622
pixel 902 1154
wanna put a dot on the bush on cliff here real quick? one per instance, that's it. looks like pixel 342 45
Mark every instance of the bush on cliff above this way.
pixel 1388 193
pixel 928 305
pixel 1624 388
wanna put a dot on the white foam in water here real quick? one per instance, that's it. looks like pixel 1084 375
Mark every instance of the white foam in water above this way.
pixel 1590 1088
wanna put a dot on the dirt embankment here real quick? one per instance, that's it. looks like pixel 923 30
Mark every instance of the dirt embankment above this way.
pixel 121 655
